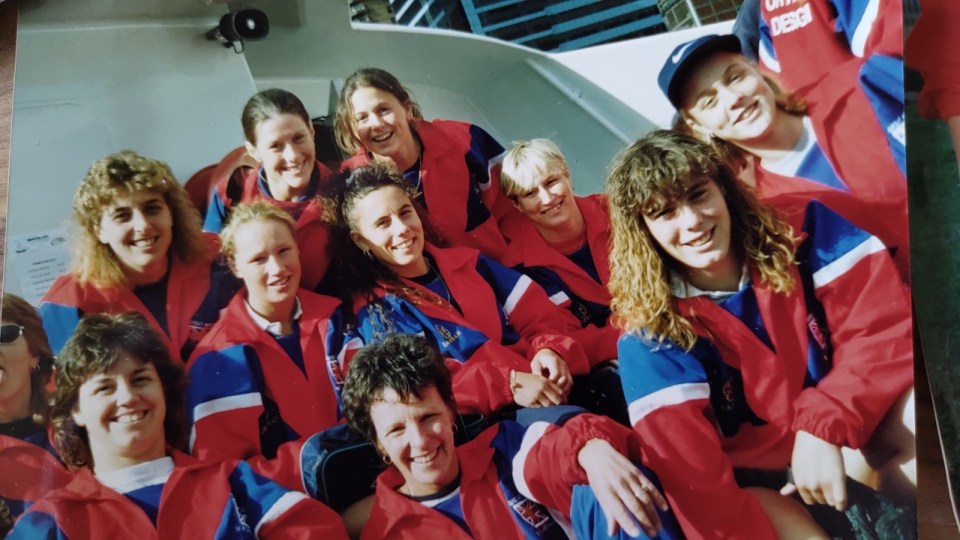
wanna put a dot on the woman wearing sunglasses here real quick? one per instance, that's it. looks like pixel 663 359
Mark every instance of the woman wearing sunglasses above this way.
pixel 139 248
pixel 118 417
pixel 26 364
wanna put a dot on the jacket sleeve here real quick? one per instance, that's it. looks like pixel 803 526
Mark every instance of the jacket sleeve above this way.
pixel 531 313
pixel 869 329
pixel 216 214
pixel 276 513
pixel 228 417
pixel 480 367
pixel 669 404
pixel 59 322
pixel 486 152
pixel 870 26
pixel 931 49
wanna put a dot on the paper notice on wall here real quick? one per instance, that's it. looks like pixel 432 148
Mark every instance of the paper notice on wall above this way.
pixel 37 260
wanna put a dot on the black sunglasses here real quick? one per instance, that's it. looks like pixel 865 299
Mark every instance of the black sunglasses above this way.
pixel 10 332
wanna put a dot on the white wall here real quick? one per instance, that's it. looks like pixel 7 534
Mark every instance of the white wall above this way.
pixel 85 91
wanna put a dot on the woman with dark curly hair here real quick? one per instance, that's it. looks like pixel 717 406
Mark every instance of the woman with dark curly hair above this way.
pixel 511 345
pixel 26 365
pixel 139 247
pixel 118 418
pixel 753 343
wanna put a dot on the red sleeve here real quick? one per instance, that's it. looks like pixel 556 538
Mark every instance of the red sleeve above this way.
pixel 482 384
pixel 546 326
pixel 306 518
pixel 669 402
pixel 931 49
pixel 868 312
pixel 551 468
pixel 600 344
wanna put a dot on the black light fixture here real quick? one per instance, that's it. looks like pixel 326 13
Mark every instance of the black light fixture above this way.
pixel 239 26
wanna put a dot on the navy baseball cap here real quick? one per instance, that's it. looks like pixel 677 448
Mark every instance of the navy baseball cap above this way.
pixel 686 56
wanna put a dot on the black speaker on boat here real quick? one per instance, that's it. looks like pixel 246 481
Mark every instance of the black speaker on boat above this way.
pixel 239 26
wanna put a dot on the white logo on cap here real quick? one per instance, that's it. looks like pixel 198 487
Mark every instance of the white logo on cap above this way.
pixel 676 57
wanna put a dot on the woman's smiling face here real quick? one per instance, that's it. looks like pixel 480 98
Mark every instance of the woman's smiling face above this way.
pixel 123 410
pixel 725 96
pixel 416 433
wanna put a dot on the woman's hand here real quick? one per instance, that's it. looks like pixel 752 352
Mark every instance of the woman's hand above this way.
pixel 818 472
pixel 626 496
pixel 549 364
pixel 532 390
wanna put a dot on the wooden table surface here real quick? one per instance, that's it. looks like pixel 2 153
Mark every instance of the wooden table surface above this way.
pixel 935 514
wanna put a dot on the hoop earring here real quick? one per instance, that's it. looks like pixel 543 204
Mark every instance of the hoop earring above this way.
pixel 36 367
pixel 386 459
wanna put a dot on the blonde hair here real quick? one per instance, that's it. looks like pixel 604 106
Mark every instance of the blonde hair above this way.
pixel 651 172
pixel 119 175
pixel 527 163
pixel 245 213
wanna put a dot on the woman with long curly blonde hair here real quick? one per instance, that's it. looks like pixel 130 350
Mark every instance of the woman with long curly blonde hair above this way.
pixel 138 247
pixel 753 342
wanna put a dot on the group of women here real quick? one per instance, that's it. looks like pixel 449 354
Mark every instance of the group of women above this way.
pixel 760 336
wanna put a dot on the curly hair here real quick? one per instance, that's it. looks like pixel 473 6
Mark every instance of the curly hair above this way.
pixel 406 363
pixel 16 310
pixel 245 213
pixel 358 274
pixel 268 104
pixel 99 342
pixel 654 170
pixel 119 175
pixel 344 126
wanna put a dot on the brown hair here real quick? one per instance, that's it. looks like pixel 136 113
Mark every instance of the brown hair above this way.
pixel 344 126
pixel 268 104
pixel 98 343
pixel 16 310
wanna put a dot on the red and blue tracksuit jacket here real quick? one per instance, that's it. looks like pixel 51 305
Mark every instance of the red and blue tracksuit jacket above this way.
pixel 30 469
pixel 566 283
pixel 506 319
pixel 247 399
pixel 220 499
pixel 195 294
pixel 931 50
pixel 854 97
pixel 830 359
pixel 519 480
pixel 312 235
pixel 460 180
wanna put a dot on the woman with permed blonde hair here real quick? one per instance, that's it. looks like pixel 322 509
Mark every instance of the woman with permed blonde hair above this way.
pixel 138 247
pixel 118 418
pixel 753 343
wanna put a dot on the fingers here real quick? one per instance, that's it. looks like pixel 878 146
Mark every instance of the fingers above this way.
pixel 839 495
pixel 550 394
pixel 641 506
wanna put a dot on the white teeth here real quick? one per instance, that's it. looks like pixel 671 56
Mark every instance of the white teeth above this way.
pixel 404 245
pixel 130 417
pixel 381 138
pixel 422 460
pixel 701 240
pixel 145 242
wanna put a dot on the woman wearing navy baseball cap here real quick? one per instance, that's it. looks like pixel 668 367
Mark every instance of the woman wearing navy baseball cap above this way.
pixel 803 147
